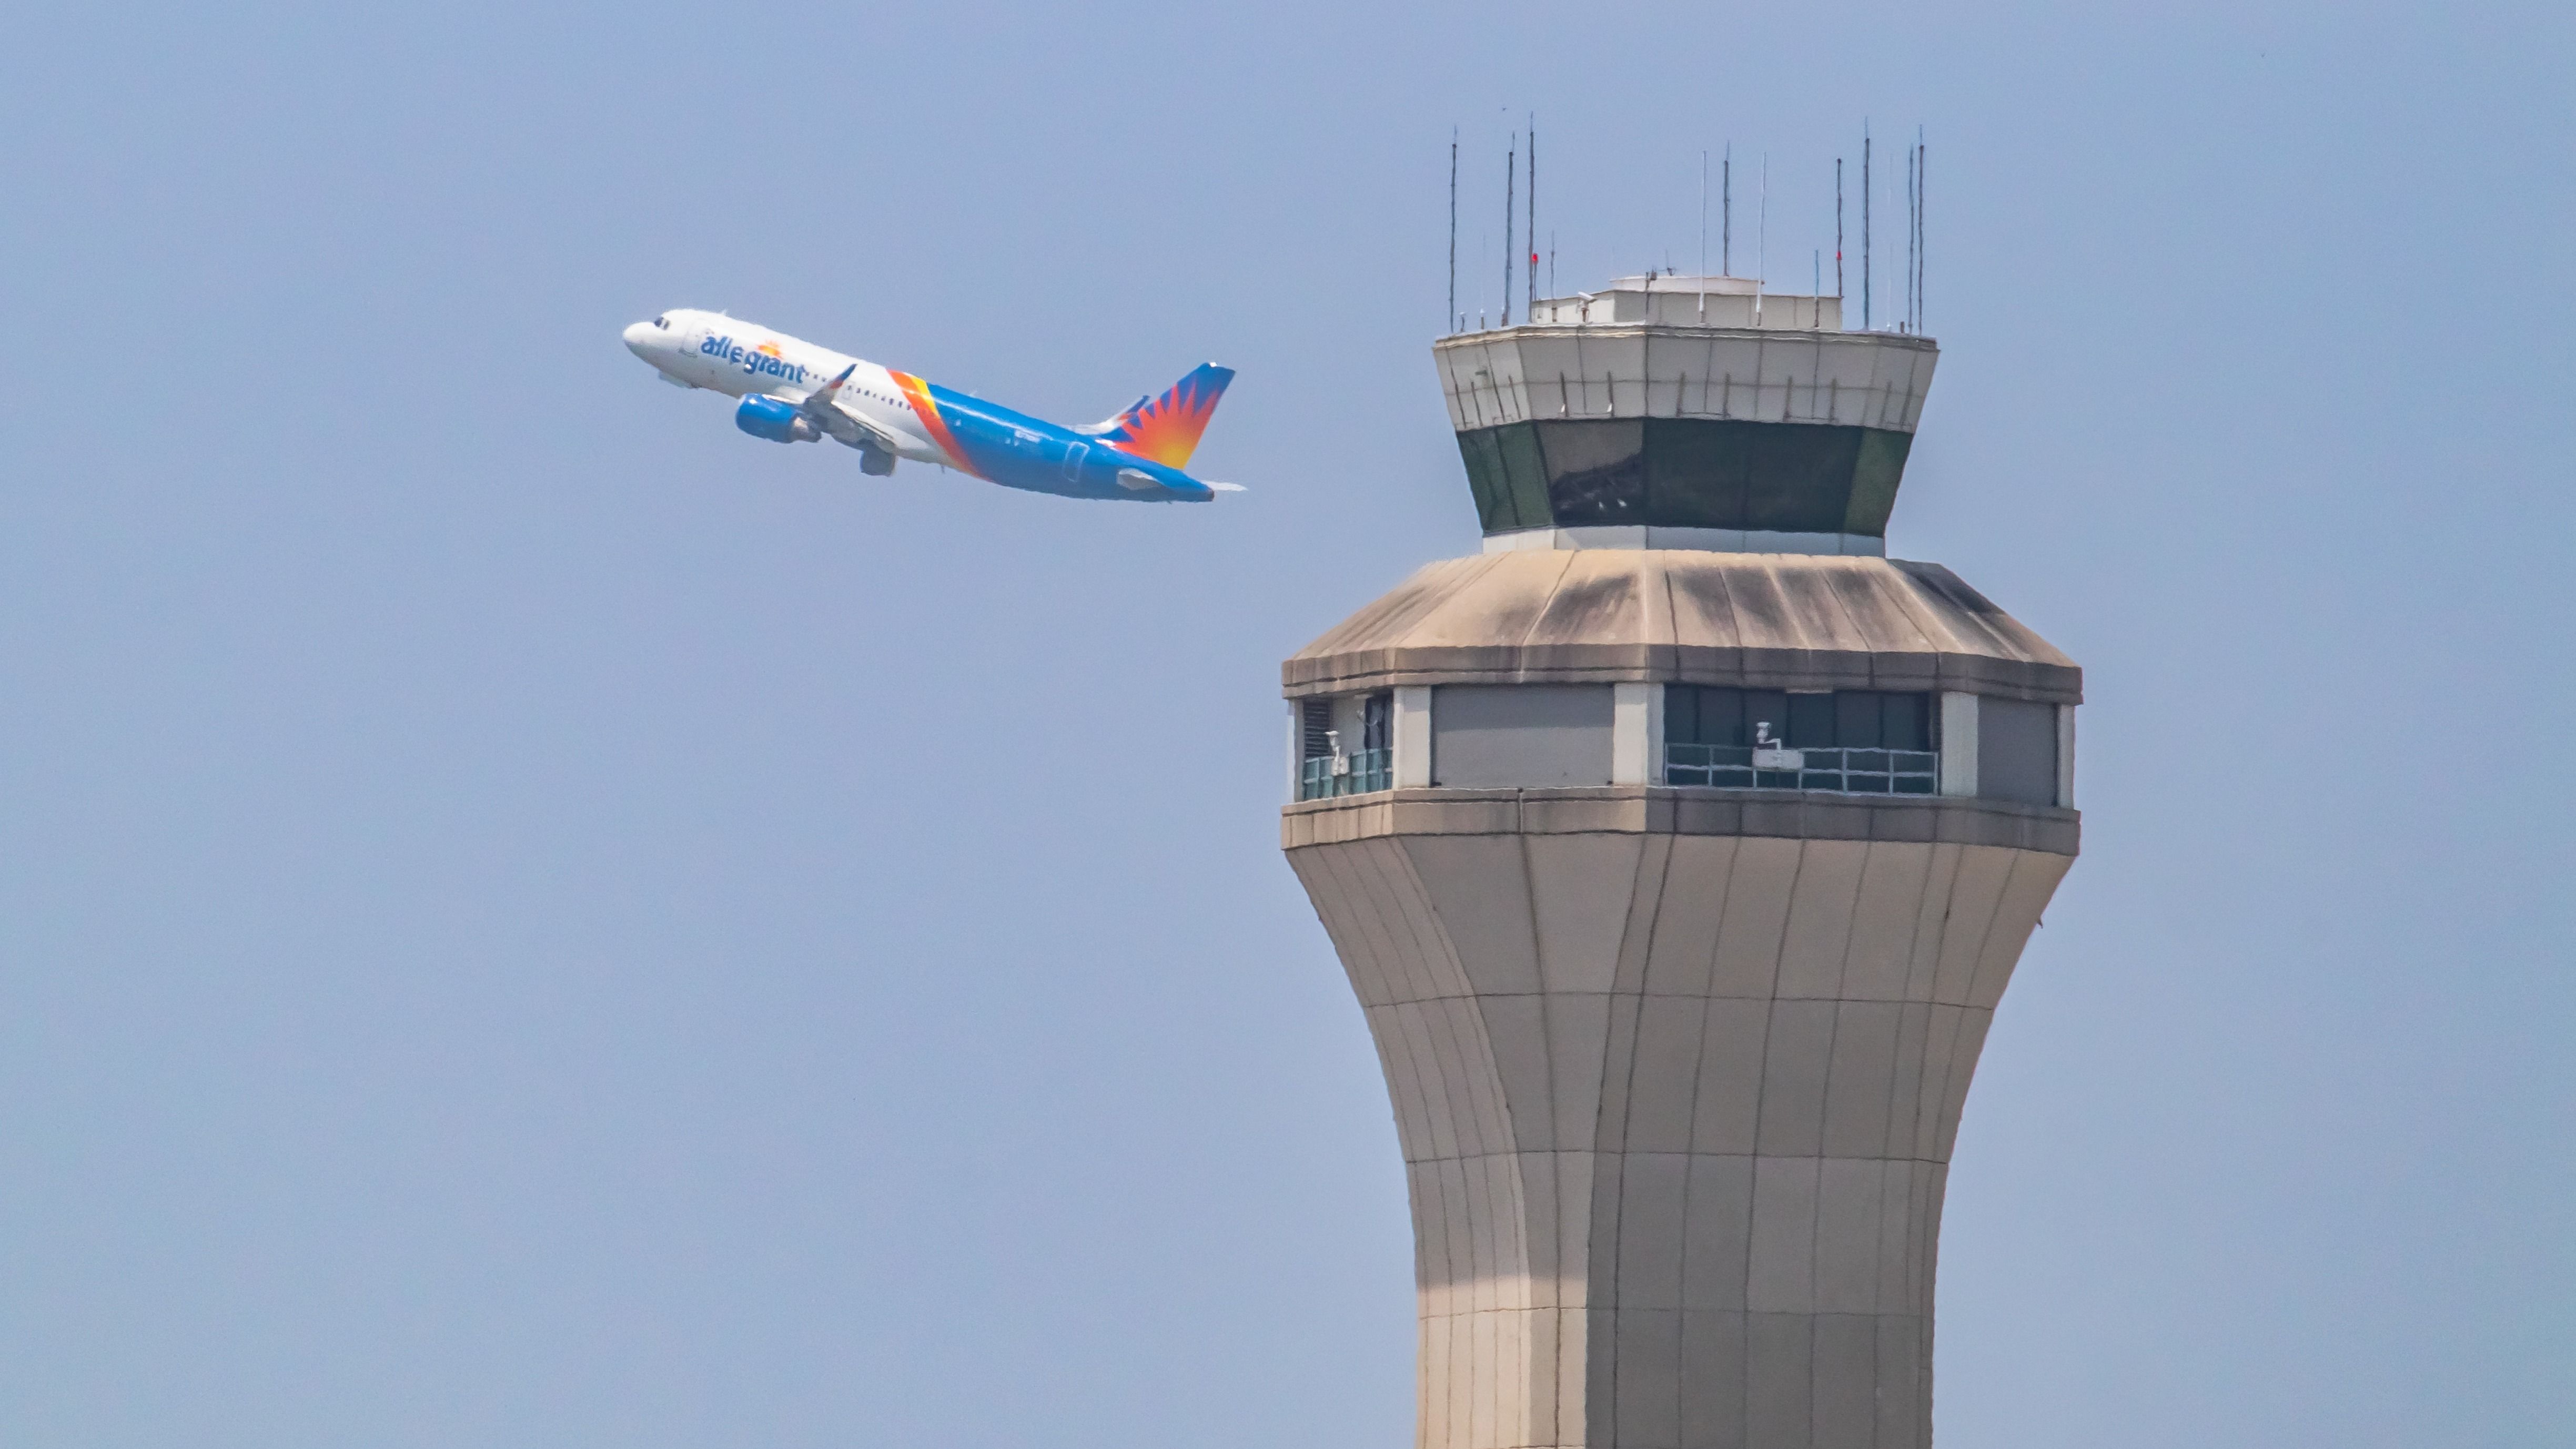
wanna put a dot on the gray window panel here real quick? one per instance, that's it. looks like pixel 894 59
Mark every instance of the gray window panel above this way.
pixel 1315 721
pixel 1682 713
pixel 1517 448
pixel 1485 479
pixel 1596 472
pixel 1761 707
pixel 1811 721
pixel 1842 719
pixel 1856 718
pixel 1796 476
pixel 1377 722
pixel 1690 472
pixel 2017 751
pixel 1491 736
pixel 1874 479
pixel 1907 721
pixel 1507 476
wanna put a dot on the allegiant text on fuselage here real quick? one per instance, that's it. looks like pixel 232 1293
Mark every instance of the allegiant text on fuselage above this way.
pixel 725 349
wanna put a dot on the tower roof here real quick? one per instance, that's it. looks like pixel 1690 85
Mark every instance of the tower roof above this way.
pixel 1782 621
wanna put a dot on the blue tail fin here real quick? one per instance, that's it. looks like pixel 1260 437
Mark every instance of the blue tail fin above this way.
pixel 1166 429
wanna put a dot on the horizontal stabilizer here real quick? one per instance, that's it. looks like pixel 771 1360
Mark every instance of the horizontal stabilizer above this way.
pixel 1227 487
pixel 1110 423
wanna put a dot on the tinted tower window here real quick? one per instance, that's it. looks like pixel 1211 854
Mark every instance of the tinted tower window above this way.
pixel 1852 741
pixel 1843 719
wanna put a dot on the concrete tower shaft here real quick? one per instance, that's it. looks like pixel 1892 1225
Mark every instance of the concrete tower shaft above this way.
pixel 1677 1024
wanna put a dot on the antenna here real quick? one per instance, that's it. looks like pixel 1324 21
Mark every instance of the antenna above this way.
pixel 1452 320
pixel 1726 214
pixel 1909 240
pixel 1761 238
pixel 1864 223
pixel 1510 174
pixel 1922 154
pixel 1703 238
pixel 1551 263
pixel 1838 226
pixel 1531 311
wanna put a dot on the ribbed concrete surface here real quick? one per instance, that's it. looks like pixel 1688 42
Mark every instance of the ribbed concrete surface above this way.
pixel 1665 810
pixel 1677 615
pixel 1677 1111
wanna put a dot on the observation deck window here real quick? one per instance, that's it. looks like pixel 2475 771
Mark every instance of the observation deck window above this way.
pixel 1346 746
pixel 1847 741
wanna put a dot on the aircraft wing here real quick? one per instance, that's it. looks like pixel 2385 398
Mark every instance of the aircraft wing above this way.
pixel 823 407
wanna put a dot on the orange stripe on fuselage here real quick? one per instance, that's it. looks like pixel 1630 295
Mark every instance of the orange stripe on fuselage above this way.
pixel 917 393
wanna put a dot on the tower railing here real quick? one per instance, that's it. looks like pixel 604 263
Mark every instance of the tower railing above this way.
pixel 1360 772
pixel 1841 771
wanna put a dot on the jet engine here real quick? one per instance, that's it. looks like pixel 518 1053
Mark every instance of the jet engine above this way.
pixel 779 422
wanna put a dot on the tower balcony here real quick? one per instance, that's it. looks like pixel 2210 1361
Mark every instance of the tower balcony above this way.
pixel 1770 679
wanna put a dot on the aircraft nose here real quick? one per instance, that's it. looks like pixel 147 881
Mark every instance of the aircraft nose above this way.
pixel 639 337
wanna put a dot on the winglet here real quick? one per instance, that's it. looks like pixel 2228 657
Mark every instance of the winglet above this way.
pixel 821 395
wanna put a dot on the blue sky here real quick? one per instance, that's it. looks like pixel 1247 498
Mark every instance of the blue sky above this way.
pixel 530 918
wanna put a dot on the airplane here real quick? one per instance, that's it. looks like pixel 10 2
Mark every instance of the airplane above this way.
pixel 796 392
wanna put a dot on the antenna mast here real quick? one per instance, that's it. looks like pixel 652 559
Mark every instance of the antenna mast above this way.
pixel 1726 214
pixel 1909 239
pixel 1453 320
pixel 1864 224
pixel 1838 228
pixel 1761 238
pixel 1530 311
pixel 1511 173
pixel 1703 238
pixel 1922 154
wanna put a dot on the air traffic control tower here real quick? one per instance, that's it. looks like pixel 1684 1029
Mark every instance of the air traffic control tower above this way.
pixel 1679 845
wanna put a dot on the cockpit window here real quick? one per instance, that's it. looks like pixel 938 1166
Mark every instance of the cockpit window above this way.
pixel 662 322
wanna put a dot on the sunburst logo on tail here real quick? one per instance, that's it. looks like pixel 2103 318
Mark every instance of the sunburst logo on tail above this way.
pixel 1166 429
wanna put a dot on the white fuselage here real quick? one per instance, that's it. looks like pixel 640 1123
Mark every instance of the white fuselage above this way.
pixel 737 358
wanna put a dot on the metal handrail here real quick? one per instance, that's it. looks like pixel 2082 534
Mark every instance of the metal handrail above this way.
pixel 1360 772
pixel 1849 771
